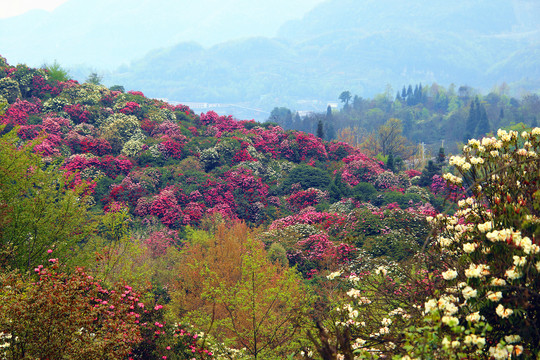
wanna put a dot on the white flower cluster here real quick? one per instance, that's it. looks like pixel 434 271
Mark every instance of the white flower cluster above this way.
pixel 449 274
pixel 477 271
pixel 502 351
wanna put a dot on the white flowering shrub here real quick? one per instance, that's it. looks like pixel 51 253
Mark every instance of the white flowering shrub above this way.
pixel 86 94
pixel 123 127
pixel 133 147
pixel 475 294
pixel 490 307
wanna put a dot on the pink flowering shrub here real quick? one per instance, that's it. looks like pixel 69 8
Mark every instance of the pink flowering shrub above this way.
pixel 413 173
pixel 221 123
pixel 159 241
pixel 304 198
pixel 77 113
pixel 169 129
pixel 440 187
pixel 131 108
pixel 309 216
pixel 19 112
pixel 360 168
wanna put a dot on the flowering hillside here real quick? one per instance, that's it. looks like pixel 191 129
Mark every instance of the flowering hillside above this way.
pixel 235 239
pixel 172 167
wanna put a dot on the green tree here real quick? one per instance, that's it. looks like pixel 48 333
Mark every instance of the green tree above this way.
pixel 307 176
pixel 391 140
pixel 441 157
pixel 428 172
pixel 282 116
pixel 39 207
pixel 320 129
pixel 345 97
pixel 94 78
pixel 265 307
pixel 230 288
pixel 390 163
pixel 57 72
pixel 118 88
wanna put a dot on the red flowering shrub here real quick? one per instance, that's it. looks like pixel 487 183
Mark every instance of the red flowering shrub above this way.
pixel 310 146
pixel 19 112
pixel 148 125
pixel 131 108
pixel 159 241
pixel 77 113
pixel 65 315
pixel 242 155
pixel 412 173
pixel 221 123
pixel 304 198
pixel 360 168
pixel 338 150
pixel 171 148
pixel 136 93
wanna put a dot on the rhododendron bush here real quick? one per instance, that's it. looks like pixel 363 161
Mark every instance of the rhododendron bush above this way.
pixel 61 315
pixel 481 297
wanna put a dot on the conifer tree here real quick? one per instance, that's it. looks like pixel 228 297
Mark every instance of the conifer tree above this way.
pixel 441 157
pixel 390 163
pixel 482 127
pixel 320 129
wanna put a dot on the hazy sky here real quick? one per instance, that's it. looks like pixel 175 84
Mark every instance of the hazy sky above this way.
pixel 10 8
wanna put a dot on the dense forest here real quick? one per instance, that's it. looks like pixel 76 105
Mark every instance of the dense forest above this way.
pixel 432 114
pixel 134 229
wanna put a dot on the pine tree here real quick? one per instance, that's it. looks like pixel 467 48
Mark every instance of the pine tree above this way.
pixel 329 116
pixel 390 163
pixel 472 122
pixel 428 172
pixel 482 128
pixel 441 157
pixel 409 95
pixel 320 129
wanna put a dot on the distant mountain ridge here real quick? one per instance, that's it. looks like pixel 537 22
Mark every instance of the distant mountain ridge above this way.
pixel 355 45
pixel 103 33
pixel 338 45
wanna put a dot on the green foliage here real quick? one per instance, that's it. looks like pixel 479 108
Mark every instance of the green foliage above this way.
pixel 364 191
pixel 338 189
pixel 118 88
pixel 56 72
pixel 403 200
pixel 428 172
pixel 307 177
pixel 94 79
pixel 278 254
pixel 39 208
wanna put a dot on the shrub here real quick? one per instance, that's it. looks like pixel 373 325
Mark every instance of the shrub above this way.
pixel 307 177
